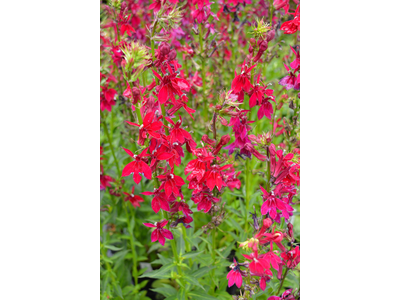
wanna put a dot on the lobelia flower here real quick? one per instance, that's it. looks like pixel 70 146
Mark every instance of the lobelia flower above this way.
pixel 183 207
pixel 290 81
pixel 171 183
pixel 274 237
pixel 271 204
pixel 137 166
pixel 285 296
pixel 204 201
pixel 132 198
pixel 273 259
pixel 159 200
pixel 170 86
pixel 104 180
pixel 292 26
pixel 213 177
pixel 197 167
pixel 282 4
pixel 242 81
pixel 296 62
pixel 292 258
pixel 107 98
pixel 160 234
pixel 148 127
pixel 177 133
pixel 258 264
pixel 235 275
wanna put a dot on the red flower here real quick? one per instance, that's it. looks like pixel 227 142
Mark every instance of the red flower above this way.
pixel 134 199
pixel 214 177
pixel 235 275
pixel 107 98
pixel 258 263
pixel 204 201
pixel 271 204
pixel 198 166
pixel 148 127
pixel 292 257
pixel 170 86
pixel 171 183
pixel 242 81
pixel 178 134
pixel 292 26
pixel 105 180
pixel 159 200
pixel 160 234
pixel 137 166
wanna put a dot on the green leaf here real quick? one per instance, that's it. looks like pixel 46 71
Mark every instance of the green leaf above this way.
pixel 200 272
pixel 113 248
pixel 193 280
pixel 166 291
pixel 131 225
pixel 199 295
pixel 118 290
pixel 160 272
pixel 138 244
pixel 192 254
pixel 181 294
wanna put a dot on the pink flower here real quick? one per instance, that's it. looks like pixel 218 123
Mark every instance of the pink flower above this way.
pixel 160 234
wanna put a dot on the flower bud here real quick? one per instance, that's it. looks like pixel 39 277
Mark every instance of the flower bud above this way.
pixel 172 54
pixel 252 41
pixel 251 49
pixel 270 35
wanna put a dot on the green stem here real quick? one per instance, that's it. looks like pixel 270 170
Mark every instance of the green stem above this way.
pixel 108 265
pixel 214 248
pixel 134 256
pixel 109 141
pixel 203 73
pixel 187 245
pixel 283 279
pixel 247 191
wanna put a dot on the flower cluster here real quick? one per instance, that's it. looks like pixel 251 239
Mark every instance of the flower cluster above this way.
pixel 197 127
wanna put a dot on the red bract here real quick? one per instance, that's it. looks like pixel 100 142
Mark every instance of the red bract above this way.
pixel 148 127
pixel 132 198
pixel 159 200
pixel 137 166
pixel 242 81
pixel 160 234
